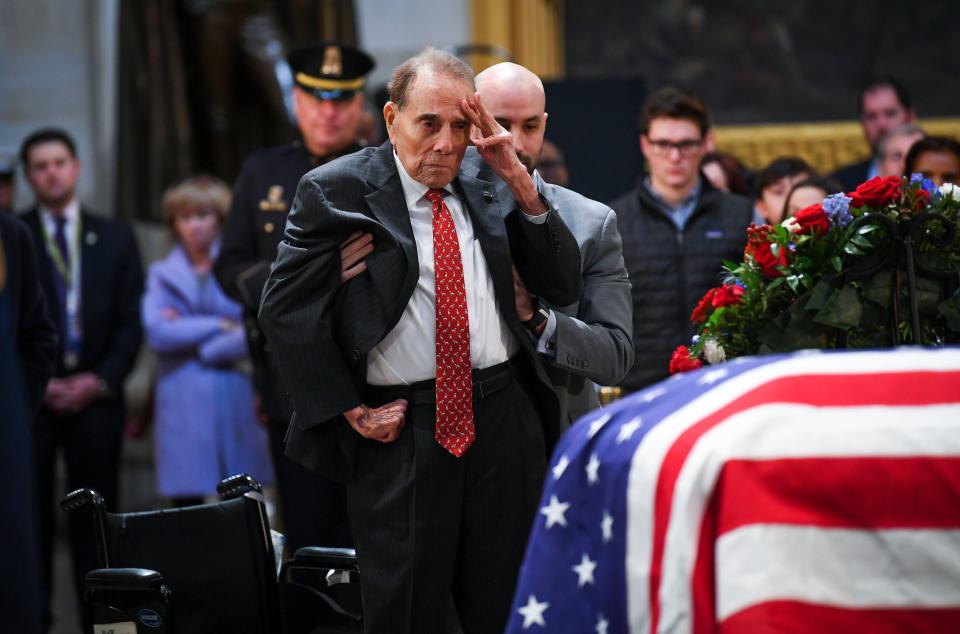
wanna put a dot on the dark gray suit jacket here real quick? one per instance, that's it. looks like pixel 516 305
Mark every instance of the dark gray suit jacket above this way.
pixel 594 335
pixel 321 331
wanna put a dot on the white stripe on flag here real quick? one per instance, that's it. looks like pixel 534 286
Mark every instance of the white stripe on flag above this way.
pixel 647 460
pixel 786 431
pixel 837 567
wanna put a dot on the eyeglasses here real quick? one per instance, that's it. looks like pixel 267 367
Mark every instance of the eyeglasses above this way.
pixel 687 147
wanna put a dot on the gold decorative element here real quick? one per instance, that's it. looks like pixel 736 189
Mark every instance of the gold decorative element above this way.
pixel 268 227
pixel 332 61
pixel 610 393
pixel 330 84
pixel 530 29
pixel 826 146
pixel 274 200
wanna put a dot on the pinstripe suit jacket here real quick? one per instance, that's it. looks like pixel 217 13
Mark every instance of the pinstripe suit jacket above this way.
pixel 321 331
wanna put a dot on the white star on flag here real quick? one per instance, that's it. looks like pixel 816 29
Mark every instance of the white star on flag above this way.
pixel 560 467
pixel 554 512
pixel 593 469
pixel 628 429
pixel 584 571
pixel 711 377
pixel 607 526
pixel 597 424
pixel 532 612
pixel 602 625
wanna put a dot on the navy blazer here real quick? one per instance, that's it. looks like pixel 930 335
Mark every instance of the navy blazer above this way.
pixel 111 283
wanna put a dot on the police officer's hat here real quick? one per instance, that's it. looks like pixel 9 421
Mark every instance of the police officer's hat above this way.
pixel 329 70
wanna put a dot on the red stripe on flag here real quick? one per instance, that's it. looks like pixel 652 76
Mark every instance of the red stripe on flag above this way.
pixel 819 390
pixel 855 492
pixel 793 617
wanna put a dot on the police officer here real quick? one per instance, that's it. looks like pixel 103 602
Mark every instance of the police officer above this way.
pixel 328 101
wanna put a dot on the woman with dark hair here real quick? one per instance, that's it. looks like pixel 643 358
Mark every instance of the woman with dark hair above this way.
pixel 725 172
pixel 937 158
pixel 809 191
pixel 205 420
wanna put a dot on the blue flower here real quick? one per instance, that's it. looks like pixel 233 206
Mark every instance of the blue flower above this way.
pixel 694 340
pixel 931 188
pixel 916 178
pixel 837 208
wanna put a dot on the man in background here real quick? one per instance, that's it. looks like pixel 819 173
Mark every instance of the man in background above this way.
pixel 883 105
pixel 895 145
pixel 92 278
pixel 328 100
pixel 590 342
pixel 677 230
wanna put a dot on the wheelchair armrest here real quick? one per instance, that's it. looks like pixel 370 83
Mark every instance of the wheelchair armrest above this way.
pixel 237 485
pixel 123 579
pixel 80 498
pixel 320 557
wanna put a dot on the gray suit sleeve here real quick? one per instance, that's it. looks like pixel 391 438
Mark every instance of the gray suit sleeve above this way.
pixel 296 311
pixel 598 342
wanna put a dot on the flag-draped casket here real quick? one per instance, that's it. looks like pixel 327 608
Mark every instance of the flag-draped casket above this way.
pixel 814 492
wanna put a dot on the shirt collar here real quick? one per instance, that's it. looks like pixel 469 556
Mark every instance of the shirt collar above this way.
pixel 689 200
pixel 413 190
pixel 70 212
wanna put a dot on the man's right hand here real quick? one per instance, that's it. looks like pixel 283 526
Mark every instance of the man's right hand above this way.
pixel 381 423
pixel 352 251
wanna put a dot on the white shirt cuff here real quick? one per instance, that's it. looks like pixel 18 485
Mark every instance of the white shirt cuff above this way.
pixel 547 341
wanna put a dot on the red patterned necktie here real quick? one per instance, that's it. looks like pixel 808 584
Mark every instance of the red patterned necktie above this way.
pixel 454 429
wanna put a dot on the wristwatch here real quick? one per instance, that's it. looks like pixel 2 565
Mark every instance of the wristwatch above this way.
pixel 540 317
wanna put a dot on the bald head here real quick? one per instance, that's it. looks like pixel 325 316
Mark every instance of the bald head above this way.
pixel 515 98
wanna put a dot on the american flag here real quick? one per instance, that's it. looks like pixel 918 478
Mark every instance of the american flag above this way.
pixel 813 492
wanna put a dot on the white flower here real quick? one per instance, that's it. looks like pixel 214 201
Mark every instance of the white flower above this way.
pixel 949 190
pixel 791 225
pixel 713 352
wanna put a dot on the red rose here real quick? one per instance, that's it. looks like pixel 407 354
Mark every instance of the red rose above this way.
pixel 681 361
pixel 876 192
pixel 699 314
pixel 923 199
pixel 764 257
pixel 812 219
pixel 727 295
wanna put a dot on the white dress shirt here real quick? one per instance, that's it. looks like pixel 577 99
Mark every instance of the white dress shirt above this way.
pixel 408 353
pixel 72 215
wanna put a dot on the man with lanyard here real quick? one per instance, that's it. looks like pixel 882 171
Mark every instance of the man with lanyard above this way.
pixel 92 279
pixel 328 101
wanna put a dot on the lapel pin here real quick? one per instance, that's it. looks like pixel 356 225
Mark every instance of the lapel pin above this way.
pixel 91 238
pixel 487 197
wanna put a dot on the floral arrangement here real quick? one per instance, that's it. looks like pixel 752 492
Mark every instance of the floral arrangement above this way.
pixel 836 275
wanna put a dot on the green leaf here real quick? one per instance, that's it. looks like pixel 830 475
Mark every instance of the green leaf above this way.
pixel 821 293
pixel 842 310
pixel 860 241
pixel 836 263
pixel 865 229
pixel 851 249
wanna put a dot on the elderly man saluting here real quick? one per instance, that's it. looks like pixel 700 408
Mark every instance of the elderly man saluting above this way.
pixel 415 382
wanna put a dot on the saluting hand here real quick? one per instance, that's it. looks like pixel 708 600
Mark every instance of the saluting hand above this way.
pixel 495 145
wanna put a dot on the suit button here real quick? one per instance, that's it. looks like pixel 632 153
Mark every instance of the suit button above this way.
pixel 355 354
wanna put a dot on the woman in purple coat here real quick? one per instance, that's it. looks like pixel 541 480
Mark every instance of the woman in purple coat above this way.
pixel 205 421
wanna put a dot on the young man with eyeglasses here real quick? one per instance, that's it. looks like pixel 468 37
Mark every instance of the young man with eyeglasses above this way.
pixel 677 230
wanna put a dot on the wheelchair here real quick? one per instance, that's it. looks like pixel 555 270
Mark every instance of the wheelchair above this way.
pixel 208 569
